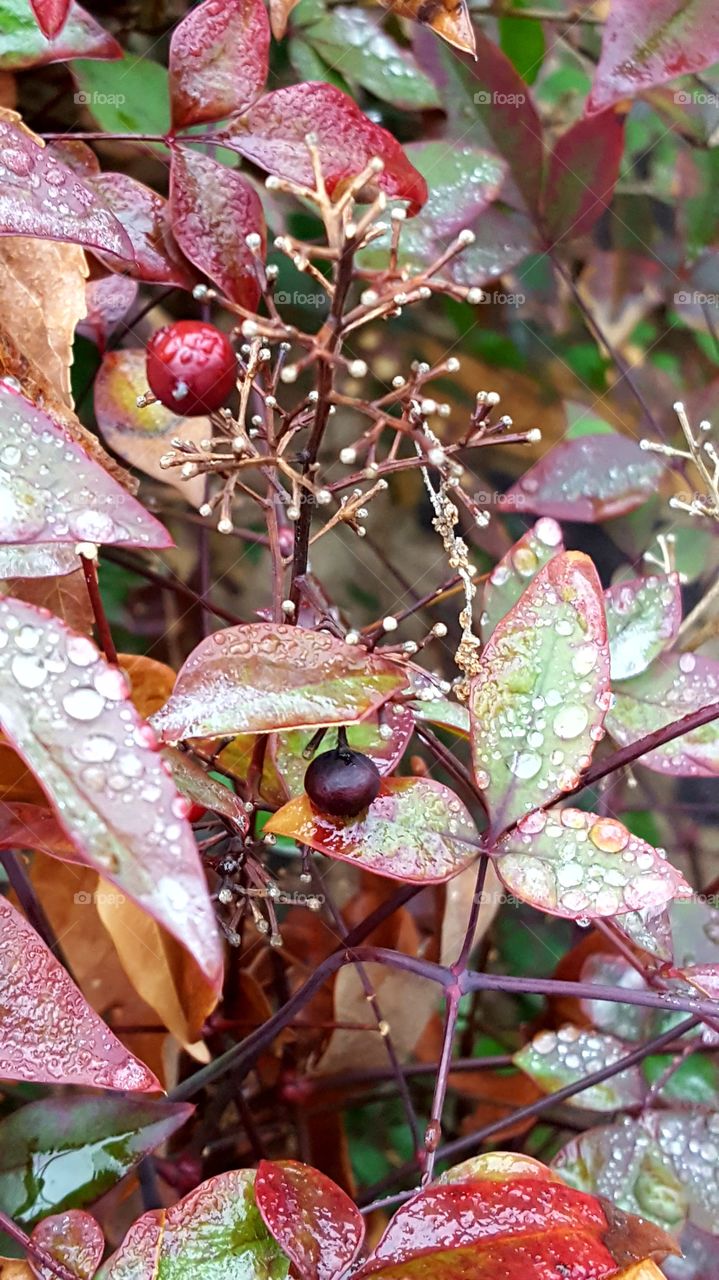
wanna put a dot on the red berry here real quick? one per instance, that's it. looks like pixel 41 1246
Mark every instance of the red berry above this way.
pixel 342 782
pixel 191 367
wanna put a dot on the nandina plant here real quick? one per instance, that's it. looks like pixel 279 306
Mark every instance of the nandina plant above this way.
pixel 357 743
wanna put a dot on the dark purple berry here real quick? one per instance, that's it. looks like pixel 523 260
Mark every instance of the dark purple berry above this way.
pixel 342 782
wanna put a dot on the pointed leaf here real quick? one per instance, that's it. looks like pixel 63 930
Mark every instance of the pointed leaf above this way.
pixel 219 58
pixel 264 676
pixel 582 174
pixel 29 826
pixel 648 42
pixel 215 1233
pixel 68 714
pixel 369 57
pixel 62 1153
pixel 313 1220
pixel 416 830
pixel 51 16
pixel 643 617
pixel 273 134
pixel 53 492
pixel 575 864
pixel 555 1059
pixel 22 43
pixel 449 19
pixel 40 196
pixel 674 685
pixel 538 702
pixel 214 209
pixel 591 478
pixel 514 572
pixel 48 1033
pixel 144 217
pixel 127 96
pixel 382 738
pixel 201 788
pixel 74 1239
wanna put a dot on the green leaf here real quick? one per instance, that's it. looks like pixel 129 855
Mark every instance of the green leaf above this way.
pixel 309 65
pixel 128 96
pixel 61 1153
pixel 674 685
pixel 522 39
pixel 695 1082
pixel 514 572
pixel 215 1233
pixel 22 43
pixel 643 617
pixel 555 1059
pixel 352 40
pixel 539 699
pixel 383 740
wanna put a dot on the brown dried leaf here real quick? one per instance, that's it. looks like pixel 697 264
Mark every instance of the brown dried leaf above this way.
pixel 448 18
pixel 151 682
pixel 280 11
pixel 64 596
pixel 42 289
pixel 457 906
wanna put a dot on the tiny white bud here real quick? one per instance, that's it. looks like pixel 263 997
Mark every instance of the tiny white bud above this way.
pixel 313 396
pixel 249 328
pixel 398 381
pixel 466 236
pixel 439 630
pixel 474 296
pixel 352 637
pixel 167 460
pixel 288 608
pixel 225 896
pixel 534 436
pixel 323 497
pixel 205 509
pixel 493 398
pixel 253 241
pixel 348 456
pixel 357 368
pixel 370 470
pixel 88 550
pixel 376 164
pixel 398 215
pixel 187 470
pixel 428 406
pixel 224 525
pixel 389 623
pixel 289 373
pixel 269 838
pixel 272 183
pixel 678 406
pixel 452 364
pixel 265 354
pixel 437 457
pixel 369 297
pixel 444 410
pixel 272 271
pixel 271 402
pixel 410 646
pixel 293 513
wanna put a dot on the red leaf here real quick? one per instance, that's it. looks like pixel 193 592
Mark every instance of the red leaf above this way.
pixel 219 58
pixel 75 500
pixel 69 715
pixel 561 1255
pixel 591 478
pixel 312 1219
pixel 81 37
pixel 74 1239
pixel 49 1034
pixel 582 175
pixel 647 42
pixel 40 196
pixel 28 826
pixel 143 214
pixel 273 133
pixel 51 15
pixel 108 301
pixel 214 209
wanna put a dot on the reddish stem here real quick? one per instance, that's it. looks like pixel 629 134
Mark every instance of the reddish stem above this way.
pixel 107 644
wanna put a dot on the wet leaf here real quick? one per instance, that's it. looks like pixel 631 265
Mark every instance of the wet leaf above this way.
pixel 22 43
pixel 68 714
pixel 581 176
pixel 648 42
pixel 369 57
pixel 538 703
pixel 576 864
pixel 674 685
pixel 41 197
pixel 262 677
pixel 65 596
pixel 215 1233
pixel 142 436
pixel 317 1225
pixel 150 681
pixel 590 478
pixel 74 1239
pixel 214 209
pixel 512 575
pixel 144 217
pixel 449 19
pixel 643 617
pixel 218 60
pixel 51 16
pixel 383 738
pixel 42 287
pixel 201 788
pixel 49 1034
pixel 62 1153
pixel 629 1021
pixel 108 301
pixel 43 560
pixel 555 1059
pixel 498 1166
pixel 53 492
pixel 416 830
pixel 272 134
pixel 30 826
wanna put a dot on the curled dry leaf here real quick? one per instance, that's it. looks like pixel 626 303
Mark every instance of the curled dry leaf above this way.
pixel 458 904
pixel 49 1033
pixel 538 702
pixel 263 677
pixel 150 681
pixel 142 436
pixel 42 287
pixel 56 493
pixel 576 864
pixel 69 715
pixel 65 596
pixel 32 827
pixel 313 1220
pixel 417 830
pixel 450 19
pixel 72 1238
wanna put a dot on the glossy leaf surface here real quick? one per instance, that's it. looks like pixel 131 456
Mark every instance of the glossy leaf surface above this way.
pixel 144 217
pixel 382 738
pixel 538 702
pixel 62 1153
pixel 674 685
pixel 369 57
pixel 643 617
pixel 218 60
pixel 556 1059
pixel 108 301
pixel 214 209
pixel 263 677
pixel 511 576
pixel 74 1239
pixel 416 830
pixel 575 864
pixel 313 1220
pixel 51 491
pixel 68 714
pixel 647 42
pixel 51 15
pixel 22 43
pixel 48 1033
pixel 589 478
pixel 581 177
